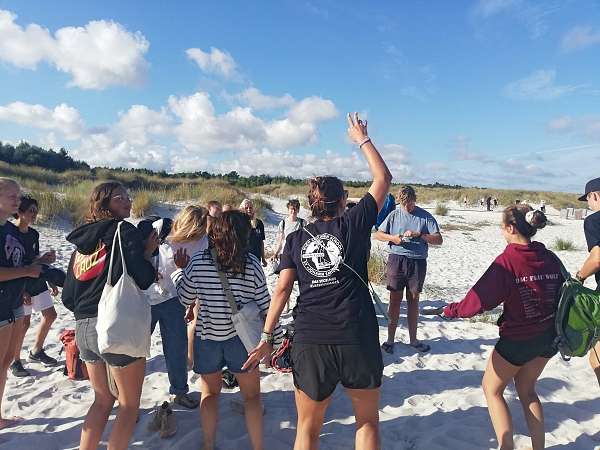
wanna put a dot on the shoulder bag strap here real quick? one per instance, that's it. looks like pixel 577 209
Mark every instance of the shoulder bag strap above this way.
pixel 112 254
pixel 224 283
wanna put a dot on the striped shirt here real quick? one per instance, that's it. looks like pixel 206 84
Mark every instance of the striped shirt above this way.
pixel 200 280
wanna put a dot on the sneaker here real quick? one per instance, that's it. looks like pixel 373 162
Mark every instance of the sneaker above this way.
pixel 18 370
pixel 421 347
pixel 388 347
pixel 168 425
pixel 229 380
pixel 42 357
pixel 186 400
pixel 159 412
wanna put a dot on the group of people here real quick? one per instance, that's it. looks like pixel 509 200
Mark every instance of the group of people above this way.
pixel 193 268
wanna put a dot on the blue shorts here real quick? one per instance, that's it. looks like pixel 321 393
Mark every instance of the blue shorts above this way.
pixel 212 356
pixel 17 314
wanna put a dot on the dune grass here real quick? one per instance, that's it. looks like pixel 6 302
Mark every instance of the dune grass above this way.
pixel 564 245
pixel 376 266
pixel 441 210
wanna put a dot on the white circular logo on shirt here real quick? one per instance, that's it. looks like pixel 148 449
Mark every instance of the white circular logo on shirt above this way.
pixel 322 255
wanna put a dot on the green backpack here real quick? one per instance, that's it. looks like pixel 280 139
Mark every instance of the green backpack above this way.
pixel 577 317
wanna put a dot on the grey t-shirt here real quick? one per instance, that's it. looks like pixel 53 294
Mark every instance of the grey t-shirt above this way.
pixel 286 227
pixel 400 221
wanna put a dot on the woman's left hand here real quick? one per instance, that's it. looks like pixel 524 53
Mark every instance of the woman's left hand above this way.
pixel 263 350
pixel 181 258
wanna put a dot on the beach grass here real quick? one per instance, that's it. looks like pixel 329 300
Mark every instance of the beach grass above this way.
pixel 564 245
pixel 441 209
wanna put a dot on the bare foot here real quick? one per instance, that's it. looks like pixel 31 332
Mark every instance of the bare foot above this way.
pixel 9 421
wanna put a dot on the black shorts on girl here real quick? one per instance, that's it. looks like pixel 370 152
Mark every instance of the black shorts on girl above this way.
pixel 520 352
pixel 318 368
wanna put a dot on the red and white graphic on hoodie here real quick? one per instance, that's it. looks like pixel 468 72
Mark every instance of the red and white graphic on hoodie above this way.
pixel 88 267
pixel 527 280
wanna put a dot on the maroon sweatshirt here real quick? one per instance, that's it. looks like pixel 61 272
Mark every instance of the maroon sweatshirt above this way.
pixel 526 278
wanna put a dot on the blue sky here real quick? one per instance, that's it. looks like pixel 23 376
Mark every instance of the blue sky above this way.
pixel 501 93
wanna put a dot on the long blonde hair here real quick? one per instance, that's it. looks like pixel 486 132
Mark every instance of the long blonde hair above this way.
pixel 189 224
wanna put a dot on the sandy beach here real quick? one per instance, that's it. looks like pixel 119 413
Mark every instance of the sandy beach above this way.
pixel 429 402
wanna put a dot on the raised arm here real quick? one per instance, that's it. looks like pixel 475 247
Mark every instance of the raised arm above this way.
pixel 382 177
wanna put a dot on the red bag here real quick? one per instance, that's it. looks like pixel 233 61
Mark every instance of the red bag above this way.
pixel 75 368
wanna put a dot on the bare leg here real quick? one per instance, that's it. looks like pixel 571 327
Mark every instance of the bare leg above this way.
pixel 595 360
pixel 365 403
pixel 20 333
pixel 394 313
pixel 412 314
pixel 9 335
pixel 498 374
pixel 97 415
pixel 250 387
pixel 210 387
pixel 525 381
pixel 310 421
pixel 129 381
pixel 48 318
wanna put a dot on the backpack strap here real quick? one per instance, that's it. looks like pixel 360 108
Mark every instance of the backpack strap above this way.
pixel 301 222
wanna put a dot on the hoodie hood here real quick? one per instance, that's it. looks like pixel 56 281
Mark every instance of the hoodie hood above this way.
pixel 532 254
pixel 86 237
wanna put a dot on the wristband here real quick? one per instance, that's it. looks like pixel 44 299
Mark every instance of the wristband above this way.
pixel 267 337
pixel 578 277
pixel 364 141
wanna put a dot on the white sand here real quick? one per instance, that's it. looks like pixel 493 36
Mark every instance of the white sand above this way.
pixel 429 402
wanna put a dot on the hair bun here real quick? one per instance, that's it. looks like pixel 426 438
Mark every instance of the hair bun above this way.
pixel 536 218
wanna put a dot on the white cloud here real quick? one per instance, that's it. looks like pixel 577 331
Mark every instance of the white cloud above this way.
pixel 98 55
pixel 580 37
pixel 215 62
pixel 62 118
pixel 139 123
pixel 257 100
pixel 587 128
pixel 487 8
pixel 540 85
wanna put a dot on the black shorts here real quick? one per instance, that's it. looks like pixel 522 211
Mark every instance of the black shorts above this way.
pixel 318 368
pixel 521 352
pixel 404 272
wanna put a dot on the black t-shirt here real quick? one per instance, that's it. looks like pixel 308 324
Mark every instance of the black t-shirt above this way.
pixel 31 241
pixel 257 236
pixel 12 253
pixel 591 227
pixel 334 306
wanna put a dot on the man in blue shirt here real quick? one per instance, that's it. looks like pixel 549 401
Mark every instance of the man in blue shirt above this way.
pixel 408 231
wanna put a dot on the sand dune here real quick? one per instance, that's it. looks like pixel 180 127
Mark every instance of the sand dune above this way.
pixel 429 402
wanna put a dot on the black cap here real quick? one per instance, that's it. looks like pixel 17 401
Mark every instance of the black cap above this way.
pixel 590 186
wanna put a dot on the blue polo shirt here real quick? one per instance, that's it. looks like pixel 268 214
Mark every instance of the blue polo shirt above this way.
pixel 400 221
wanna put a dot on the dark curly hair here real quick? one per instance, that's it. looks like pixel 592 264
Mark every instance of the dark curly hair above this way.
pixel 99 201
pixel 324 196
pixel 229 235
pixel 26 202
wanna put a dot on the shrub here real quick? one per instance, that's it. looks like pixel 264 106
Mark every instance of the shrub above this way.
pixel 441 209
pixel 376 266
pixel 564 244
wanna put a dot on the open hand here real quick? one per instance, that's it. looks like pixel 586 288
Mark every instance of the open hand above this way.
pixel 181 258
pixel 357 129
pixel 262 351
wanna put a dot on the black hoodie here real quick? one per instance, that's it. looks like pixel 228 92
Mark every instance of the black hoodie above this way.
pixel 88 267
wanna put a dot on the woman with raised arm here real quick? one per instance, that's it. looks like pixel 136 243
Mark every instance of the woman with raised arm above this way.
pixel 336 332
pixel 88 270
pixel 526 279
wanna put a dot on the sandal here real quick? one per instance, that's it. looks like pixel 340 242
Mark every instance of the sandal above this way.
pixel 421 347
pixel 388 347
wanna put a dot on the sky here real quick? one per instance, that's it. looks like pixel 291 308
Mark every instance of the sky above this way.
pixel 490 93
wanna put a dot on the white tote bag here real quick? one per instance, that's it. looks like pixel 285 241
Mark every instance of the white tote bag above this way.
pixel 247 321
pixel 124 314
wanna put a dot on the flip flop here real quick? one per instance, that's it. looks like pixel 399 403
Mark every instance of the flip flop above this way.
pixel 388 348
pixel 421 347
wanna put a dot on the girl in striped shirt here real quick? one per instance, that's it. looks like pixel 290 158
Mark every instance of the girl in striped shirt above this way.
pixel 216 343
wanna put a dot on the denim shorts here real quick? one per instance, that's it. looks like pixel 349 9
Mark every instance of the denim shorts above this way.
pixel 212 356
pixel 87 342
pixel 17 314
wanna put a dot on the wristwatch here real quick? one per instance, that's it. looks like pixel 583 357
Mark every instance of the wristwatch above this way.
pixel 269 338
